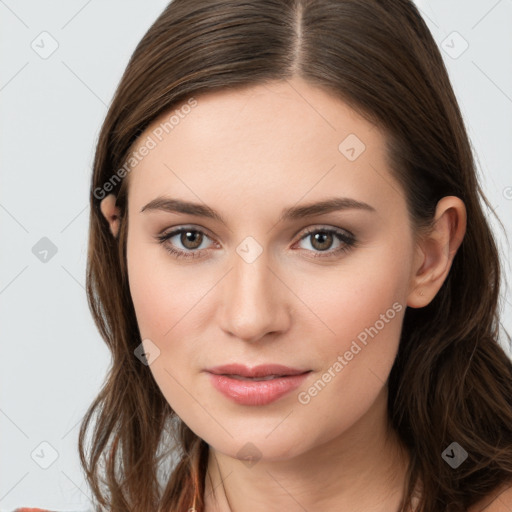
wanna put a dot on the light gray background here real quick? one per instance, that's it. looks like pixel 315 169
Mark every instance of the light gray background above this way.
pixel 51 109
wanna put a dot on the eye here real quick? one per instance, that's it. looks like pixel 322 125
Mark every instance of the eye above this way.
pixel 189 238
pixel 322 239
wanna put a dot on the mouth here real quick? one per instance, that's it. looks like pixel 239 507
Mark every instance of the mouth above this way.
pixel 254 379
pixel 262 372
pixel 259 385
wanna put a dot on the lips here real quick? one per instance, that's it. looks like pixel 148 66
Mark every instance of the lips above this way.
pixel 259 379
pixel 264 370
pixel 259 385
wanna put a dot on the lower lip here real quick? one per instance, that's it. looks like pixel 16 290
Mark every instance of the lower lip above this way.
pixel 256 392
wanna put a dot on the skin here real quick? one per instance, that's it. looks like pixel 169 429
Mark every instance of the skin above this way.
pixel 248 154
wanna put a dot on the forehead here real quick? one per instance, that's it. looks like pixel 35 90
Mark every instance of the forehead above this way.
pixel 278 142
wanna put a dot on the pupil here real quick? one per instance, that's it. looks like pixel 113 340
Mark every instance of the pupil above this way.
pixel 187 238
pixel 322 238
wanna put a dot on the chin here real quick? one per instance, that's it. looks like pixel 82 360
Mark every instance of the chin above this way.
pixel 258 449
pixel 255 441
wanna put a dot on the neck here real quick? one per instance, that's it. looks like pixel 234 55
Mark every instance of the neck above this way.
pixel 363 469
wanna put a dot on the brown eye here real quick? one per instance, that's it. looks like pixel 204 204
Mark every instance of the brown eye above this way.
pixel 321 240
pixel 328 242
pixel 184 242
pixel 191 239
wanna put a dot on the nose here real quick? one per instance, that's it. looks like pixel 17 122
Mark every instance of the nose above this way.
pixel 254 301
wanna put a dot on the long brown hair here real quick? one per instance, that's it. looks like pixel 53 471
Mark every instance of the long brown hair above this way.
pixel 451 380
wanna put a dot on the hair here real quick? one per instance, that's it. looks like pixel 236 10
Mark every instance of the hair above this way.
pixel 451 380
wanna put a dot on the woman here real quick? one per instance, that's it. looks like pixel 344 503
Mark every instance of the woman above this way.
pixel 290 264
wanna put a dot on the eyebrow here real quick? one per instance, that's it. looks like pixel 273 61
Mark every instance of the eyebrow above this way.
pixel 333 204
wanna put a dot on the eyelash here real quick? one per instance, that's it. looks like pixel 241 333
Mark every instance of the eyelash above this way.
pixel 348 240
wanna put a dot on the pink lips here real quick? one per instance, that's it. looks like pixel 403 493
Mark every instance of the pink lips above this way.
pixel 260 385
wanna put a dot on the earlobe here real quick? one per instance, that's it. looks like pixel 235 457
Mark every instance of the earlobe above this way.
pixel 436 250
pixel 111 212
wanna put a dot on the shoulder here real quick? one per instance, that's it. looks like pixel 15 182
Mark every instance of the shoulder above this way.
pixel 32 509
pixel 499 500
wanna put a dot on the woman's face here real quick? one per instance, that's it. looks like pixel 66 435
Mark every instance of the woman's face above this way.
pixel 267 281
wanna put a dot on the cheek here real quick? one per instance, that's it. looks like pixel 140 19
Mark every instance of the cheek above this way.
pixel 365 290
pixel 163 293
pixel 361 311
pixel 168 299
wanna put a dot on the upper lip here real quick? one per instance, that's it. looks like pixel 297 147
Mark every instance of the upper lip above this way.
pixel 263 370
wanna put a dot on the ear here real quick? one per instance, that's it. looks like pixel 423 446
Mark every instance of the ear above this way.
pixel 436 250
pixel 111 212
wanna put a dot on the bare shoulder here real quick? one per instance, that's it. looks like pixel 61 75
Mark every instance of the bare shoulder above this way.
pixel 498 501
